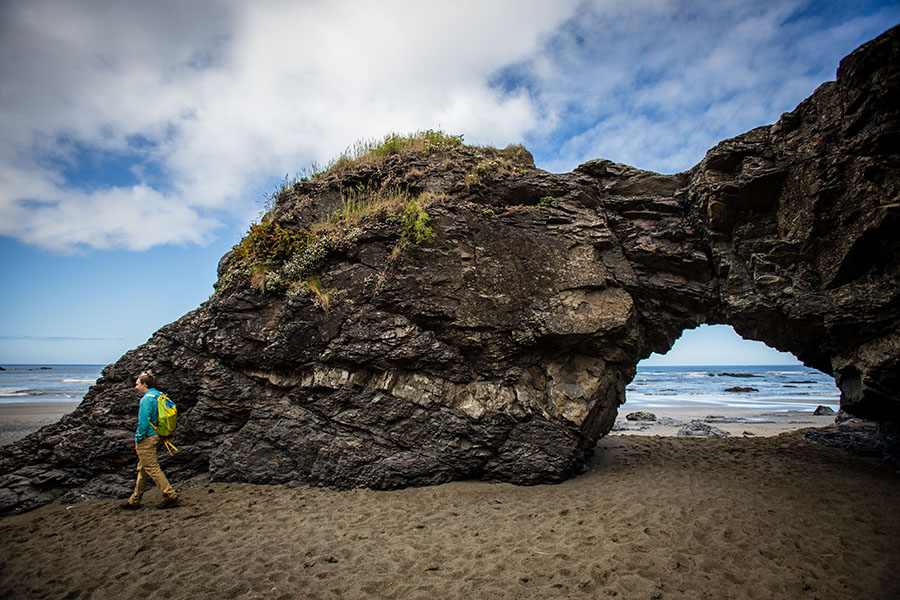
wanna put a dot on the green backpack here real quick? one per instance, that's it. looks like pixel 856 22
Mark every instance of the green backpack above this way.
pixel 166 416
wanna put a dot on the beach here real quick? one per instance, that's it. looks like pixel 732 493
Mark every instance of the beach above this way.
pixel 748 516
pixel 18 419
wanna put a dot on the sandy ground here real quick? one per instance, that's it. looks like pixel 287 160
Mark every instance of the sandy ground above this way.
pixel 18 419
pixel 734 421
pixel 652 517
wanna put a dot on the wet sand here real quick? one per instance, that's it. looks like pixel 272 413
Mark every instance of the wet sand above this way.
pixel 734 421
pixel 18 419
pixel 652 517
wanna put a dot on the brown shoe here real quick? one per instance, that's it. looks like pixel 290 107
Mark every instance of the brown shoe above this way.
pixel 168 502
pixel 129 506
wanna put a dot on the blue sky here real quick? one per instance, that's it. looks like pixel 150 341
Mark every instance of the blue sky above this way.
pixel 139 139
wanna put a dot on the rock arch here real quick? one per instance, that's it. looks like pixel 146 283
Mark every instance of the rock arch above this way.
pixel 502 349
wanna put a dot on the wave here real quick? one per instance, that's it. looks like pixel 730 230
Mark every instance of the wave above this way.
pixel 90 381
pixel 17 393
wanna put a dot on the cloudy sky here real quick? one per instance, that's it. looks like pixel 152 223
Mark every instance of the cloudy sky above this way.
pixel 139 139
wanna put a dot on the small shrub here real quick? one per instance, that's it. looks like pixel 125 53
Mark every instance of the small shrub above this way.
pixel 303 264
pixel 321 296
pixel 502 163
pixel 274 283
pixel 259 275
pixel 269 241
pixel 414 226
pixel 547 201
pixel 230 278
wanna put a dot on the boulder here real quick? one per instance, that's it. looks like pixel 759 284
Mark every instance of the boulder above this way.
pixel 698 428
pixel 641 415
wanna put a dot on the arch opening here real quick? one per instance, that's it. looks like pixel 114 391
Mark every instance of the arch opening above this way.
pixel 733 385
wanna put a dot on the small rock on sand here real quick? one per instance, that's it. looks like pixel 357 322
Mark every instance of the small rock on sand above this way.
pixel 697 428
pixel 641 415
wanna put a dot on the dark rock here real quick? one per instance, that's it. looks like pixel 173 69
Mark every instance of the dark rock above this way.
pixel 737 375
pixel 843 417
pixel 697 428
pixel 501 349
pixel 823 410
pixel 862 440
pixel 738 388
pixel 641 415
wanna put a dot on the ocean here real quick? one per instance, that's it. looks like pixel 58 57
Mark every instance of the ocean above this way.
pixel 47 383
pixel 775 388
pixel 772 388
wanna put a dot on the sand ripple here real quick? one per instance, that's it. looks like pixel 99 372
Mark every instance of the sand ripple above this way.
pixel 774 517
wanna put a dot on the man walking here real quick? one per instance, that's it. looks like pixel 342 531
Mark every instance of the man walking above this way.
pixel 146 442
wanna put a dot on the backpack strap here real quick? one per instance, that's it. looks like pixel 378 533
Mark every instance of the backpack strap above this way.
pixel 166 443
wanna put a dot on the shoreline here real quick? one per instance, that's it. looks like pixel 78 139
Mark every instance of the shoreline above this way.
pixel 18 419
pixel 736 422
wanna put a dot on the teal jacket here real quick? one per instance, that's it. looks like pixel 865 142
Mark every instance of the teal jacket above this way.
pixel 147 413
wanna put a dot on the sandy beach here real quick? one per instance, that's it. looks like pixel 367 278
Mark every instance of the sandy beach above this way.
pixel 734 421
pixel 18 419
pixel 747 516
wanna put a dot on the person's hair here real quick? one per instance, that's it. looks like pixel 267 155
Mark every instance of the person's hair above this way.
pixel 147 379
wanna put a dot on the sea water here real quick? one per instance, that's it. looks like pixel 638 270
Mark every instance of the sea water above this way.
pixel 47 383
pixel 775 388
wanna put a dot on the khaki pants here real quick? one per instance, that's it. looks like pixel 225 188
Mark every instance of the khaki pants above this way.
pixel 148 466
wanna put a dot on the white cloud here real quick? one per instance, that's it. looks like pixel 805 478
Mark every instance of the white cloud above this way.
pixel 657 85
pixel 205 101
pixel 115 116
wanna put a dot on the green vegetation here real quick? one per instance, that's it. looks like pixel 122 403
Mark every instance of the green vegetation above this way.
pixel 279 260
pixel 282 260
pixel 501 162
pixel 270 241
pixel 414 226
pixel 321 296
pixel 375 151
pixel 366 152
pixel 547 201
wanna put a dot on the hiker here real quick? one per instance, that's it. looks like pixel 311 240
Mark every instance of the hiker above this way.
pixel 146 442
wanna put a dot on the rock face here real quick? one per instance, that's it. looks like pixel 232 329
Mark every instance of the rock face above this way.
pixel 354 342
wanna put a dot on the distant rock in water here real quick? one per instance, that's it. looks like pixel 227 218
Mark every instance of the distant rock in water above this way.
pixel 738 388
pixel 737 375
pixel 430 311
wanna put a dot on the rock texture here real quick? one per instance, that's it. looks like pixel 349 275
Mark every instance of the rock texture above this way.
pixel 501 348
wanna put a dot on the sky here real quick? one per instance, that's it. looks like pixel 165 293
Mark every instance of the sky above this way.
pixel 138 140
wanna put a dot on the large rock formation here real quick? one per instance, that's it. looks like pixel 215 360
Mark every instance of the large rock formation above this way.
pixel 347 346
